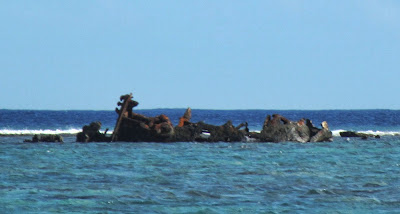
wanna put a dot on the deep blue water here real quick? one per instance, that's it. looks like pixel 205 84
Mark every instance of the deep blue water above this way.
pixel 344 176
pixel 357 120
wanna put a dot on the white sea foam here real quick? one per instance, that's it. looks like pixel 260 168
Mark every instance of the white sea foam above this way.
pixel 42 131
pixel 391 133
pixel 336 133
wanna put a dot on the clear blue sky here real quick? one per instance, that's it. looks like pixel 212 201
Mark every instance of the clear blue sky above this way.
pixel 203 54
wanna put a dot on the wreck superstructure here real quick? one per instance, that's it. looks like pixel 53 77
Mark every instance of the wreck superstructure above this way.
pixel 133 127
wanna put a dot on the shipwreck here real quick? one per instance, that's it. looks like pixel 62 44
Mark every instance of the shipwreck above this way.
pixel 133 127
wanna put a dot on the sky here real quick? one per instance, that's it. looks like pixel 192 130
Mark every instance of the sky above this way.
pixel 287 54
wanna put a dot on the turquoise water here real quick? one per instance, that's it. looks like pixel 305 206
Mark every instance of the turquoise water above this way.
pixel 344 176
pixel 341 177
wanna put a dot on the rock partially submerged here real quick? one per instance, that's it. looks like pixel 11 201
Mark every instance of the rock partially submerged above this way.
pixel 357 134
pixel 133 127
pixel 202 132
pixel 46 138
pixel 91 133
pixel 275 129
pixel 280 129
pixel 187 131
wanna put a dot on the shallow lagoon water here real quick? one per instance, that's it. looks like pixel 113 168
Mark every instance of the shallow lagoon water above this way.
pixel 344 176
pixel 339 177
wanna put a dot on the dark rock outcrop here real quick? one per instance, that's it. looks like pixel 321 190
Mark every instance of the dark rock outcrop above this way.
pixel 280 129
pixel 187 131
pixel 357 134
pixel 46 138
pixel 91 133
pixel 202 132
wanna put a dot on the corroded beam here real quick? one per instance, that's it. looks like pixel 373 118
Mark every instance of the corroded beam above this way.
pixel 127 98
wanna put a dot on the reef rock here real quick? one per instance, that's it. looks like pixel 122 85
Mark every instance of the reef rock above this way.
pixel 356 134
pixel 202 132
pixel 46 138
pixel 91 133
pixel 187 131
pixel 280 129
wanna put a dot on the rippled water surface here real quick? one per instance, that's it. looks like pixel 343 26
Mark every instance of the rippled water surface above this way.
pixel 341 177
pixel 345 176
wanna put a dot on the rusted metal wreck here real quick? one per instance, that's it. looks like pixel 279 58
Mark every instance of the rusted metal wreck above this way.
pixel 133 127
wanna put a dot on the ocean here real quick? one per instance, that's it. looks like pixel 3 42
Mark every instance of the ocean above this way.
pixel 348 175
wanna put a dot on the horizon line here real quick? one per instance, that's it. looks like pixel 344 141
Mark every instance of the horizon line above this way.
pixel 210 109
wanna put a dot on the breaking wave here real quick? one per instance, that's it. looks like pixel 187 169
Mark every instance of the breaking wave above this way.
pixel 12 132
pixel 336 133
pixel 38 131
